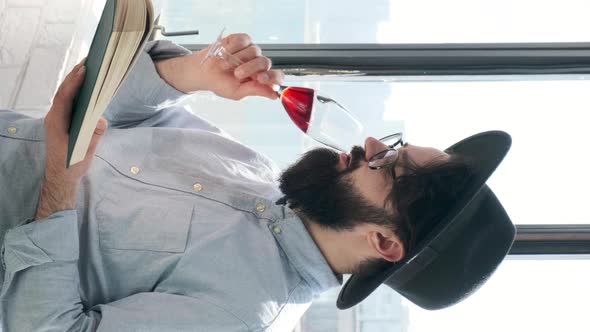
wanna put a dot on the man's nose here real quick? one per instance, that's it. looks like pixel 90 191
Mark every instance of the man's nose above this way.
pixel 373 146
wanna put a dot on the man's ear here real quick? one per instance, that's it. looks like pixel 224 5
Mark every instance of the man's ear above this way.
pixel 387 244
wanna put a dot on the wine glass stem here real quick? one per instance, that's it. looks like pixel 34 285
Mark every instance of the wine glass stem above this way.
pixel 281 89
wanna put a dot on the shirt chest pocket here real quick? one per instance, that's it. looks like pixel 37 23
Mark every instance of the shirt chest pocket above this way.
pixel 151 225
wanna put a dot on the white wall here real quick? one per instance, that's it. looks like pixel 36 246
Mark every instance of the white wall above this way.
pixel 40 41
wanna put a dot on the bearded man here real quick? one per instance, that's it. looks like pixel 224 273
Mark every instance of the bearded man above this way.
pixel 169 224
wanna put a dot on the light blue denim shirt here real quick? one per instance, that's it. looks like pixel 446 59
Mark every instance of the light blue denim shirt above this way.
pixel 176 227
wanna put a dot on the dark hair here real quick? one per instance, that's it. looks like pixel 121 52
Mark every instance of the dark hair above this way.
pixel 423 194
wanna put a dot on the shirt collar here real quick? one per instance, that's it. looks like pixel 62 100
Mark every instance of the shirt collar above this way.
pixel 302 251
pixel 16 125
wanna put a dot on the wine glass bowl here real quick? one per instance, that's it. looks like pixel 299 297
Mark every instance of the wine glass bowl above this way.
pixel 318 116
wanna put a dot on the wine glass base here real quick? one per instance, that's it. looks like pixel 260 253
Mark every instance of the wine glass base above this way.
pixel 216 49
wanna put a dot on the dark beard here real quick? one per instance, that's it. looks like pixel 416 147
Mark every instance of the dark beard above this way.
pixel 315 187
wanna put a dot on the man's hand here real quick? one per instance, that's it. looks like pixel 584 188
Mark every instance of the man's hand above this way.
pixel 60 185
pixel 252 78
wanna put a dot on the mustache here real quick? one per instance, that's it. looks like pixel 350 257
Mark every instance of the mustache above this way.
pixel 357 155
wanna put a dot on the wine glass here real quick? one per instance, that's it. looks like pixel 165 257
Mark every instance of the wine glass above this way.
pixel 318 116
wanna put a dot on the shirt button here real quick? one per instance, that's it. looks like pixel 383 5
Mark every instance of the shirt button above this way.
pixel 260 207
pixel 134 170
pixel 11 130
pixel 276 229
pixel 197 187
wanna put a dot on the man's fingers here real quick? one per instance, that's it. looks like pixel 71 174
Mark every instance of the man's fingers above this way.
pixel 236 42
pixel 253 67
pixel 249 53
pixel 99 131
pixel 74 70
pixel 101 127
pixel 67 91
pixel 77 66
pixel 254 88
pixel 271 77
pixel 70 85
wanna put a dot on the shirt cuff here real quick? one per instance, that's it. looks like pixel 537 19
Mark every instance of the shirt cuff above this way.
pixel 42 241
pixel 155 91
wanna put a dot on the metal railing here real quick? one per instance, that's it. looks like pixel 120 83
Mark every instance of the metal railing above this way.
pixel 429 59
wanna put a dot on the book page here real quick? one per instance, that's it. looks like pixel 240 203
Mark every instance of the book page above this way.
pixel 123 48
pixel 89 123
pixel 132 33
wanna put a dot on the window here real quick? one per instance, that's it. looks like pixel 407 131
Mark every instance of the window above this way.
pixel 382 21
pixel 420 67
pixel 525 294
pixel 531 293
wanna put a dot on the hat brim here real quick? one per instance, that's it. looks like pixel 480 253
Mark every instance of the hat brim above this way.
pixel 456 257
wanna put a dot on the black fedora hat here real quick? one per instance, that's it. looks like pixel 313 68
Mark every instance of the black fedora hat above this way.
pixel 460 253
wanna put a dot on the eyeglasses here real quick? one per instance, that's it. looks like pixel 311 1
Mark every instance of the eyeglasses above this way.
pixel 387 157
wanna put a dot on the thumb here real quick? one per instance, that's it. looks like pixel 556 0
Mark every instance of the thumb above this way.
pixel 255 88
pixel 101 127
pixel 99 131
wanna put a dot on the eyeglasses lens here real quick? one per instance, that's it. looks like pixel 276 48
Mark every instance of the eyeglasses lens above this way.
pixel 383 158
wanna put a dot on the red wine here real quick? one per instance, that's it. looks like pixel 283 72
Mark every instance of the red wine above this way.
pixel 298 103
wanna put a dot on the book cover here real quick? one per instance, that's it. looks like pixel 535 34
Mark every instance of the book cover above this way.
pixel 94 61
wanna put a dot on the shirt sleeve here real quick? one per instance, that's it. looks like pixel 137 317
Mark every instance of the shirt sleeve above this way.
pixel 146 100
pixel 144 93
pixel 156 312
pixel 41 290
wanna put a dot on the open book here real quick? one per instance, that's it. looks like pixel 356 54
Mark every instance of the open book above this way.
pixel 122 31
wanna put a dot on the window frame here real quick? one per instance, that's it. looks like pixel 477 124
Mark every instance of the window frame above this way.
pixel 551 240
pixel 428 59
